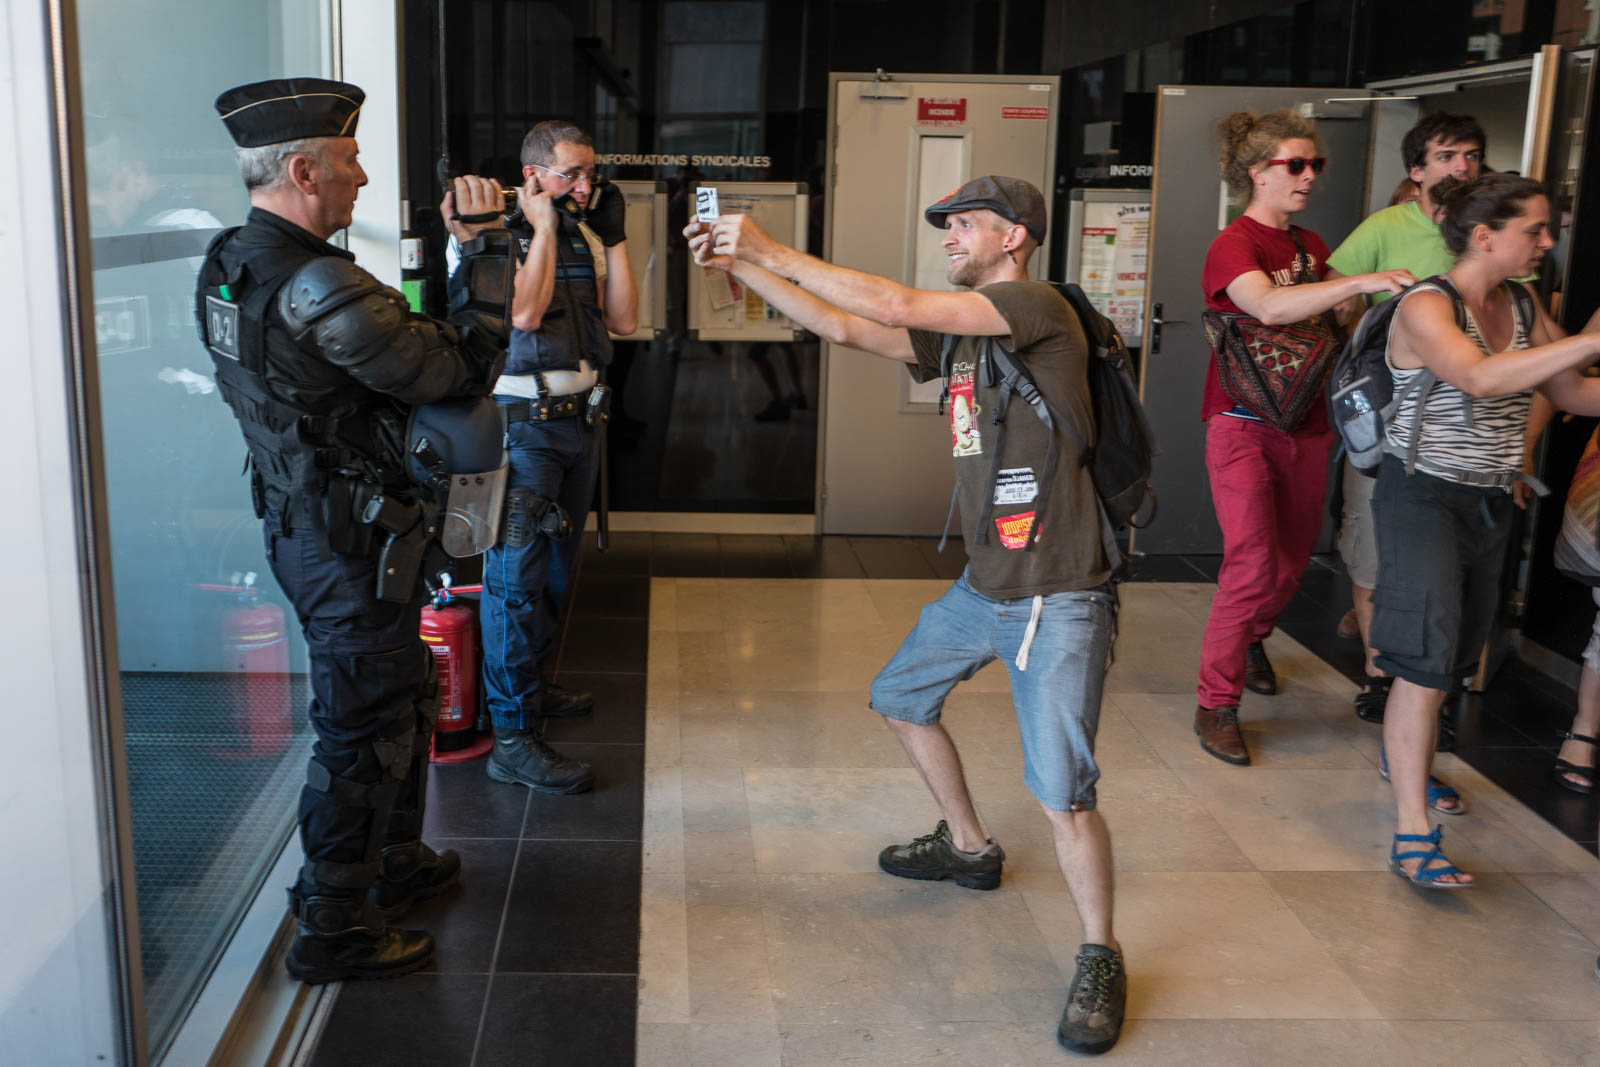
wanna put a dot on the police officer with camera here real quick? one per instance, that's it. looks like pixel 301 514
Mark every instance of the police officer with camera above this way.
pixel 324 365
pixel 573 286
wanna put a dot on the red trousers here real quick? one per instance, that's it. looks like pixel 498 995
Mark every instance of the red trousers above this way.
pixel 1268 488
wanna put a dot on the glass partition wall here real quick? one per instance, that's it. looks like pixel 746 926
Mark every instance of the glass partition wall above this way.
pixel 212 667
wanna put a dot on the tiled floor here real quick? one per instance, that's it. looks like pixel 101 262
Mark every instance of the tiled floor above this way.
pixel 1260 923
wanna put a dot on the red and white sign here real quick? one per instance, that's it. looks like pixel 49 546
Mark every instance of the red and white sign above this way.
pixel 1014 529
pixel 941 110
pixel 1024 112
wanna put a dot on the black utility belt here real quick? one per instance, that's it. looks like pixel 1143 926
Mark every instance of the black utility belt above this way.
pixel 593 405
pixel 543 409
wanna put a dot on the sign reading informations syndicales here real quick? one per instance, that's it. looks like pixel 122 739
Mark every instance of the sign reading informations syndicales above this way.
pixel 680 159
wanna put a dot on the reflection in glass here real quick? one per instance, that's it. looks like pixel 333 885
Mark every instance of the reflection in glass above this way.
pixel 212 672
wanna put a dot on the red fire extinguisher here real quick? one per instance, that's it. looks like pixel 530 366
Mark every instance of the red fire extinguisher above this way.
pixel 450 630
pixel 255 651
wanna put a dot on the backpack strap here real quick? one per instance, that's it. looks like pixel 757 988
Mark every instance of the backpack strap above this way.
pixel 1016 378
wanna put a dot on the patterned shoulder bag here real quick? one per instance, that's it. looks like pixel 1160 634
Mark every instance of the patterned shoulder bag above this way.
pixel 1274 372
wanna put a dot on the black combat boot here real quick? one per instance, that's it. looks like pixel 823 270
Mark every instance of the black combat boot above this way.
pixel 522 756
pixel 559 702
pixel 345 937
pixel 410 873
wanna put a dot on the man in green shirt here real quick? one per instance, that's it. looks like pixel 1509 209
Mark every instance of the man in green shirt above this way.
pixel 1440 145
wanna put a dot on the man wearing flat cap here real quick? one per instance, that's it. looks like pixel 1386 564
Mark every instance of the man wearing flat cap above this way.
pixel 1037 591
pixel 322 365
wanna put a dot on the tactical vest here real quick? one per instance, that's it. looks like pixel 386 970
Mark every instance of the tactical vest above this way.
pixel 315 467
pixel 572 327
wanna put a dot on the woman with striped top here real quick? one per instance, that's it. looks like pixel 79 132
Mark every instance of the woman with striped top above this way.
pixel 1443 526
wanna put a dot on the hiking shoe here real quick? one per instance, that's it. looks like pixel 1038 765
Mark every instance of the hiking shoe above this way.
pixel 1373 698
pixel 1259 677
pixel 521 756
pixel 558 702
pixel 1092 1020
pixel 934 857
pixel 1218 730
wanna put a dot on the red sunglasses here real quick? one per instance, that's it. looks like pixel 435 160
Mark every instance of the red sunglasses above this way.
pixel 1297 164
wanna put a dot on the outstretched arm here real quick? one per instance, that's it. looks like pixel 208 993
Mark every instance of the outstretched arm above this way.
pixel 1427 334
pixel 1257 297
pixel 869 296
pixel 815 314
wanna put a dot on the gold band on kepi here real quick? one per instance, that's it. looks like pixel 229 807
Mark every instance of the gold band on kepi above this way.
pixel 290 109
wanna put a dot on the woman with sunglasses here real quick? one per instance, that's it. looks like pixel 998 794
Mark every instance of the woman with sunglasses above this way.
pixel 1266 484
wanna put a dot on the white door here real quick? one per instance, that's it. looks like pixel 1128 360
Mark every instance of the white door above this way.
pixel 898 144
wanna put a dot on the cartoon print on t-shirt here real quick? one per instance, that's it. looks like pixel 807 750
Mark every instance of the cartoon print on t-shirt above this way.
pixel 966 438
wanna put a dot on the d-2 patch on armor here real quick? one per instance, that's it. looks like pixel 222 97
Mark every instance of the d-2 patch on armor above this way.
pixel 222 328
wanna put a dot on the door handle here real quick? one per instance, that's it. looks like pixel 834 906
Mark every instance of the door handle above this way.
pixel 1156 322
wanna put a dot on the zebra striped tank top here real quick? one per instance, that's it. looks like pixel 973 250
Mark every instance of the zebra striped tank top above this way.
pixel 1490 444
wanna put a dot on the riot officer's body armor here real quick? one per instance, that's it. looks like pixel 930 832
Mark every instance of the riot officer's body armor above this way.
pixel 319 362
pixel 573 327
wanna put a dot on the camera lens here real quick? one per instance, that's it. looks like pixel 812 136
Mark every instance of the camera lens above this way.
pixel 511 198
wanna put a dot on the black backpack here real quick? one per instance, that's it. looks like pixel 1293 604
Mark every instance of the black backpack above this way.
pixel 1361 396
pixel 1119 461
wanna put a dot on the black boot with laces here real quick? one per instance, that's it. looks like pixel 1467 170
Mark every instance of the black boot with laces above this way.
pixel 523 757
pixel 1092 1019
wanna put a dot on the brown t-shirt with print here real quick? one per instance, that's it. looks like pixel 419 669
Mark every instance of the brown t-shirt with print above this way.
pixel 1047 338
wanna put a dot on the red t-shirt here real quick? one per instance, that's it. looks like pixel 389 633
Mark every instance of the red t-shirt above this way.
pixel 1248 245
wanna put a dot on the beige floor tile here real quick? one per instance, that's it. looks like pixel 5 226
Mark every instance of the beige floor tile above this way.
pixel 1264 1043
pixel 1574 897
pixel 869 948
pixel 716 824
pixel 1487 797
pixel 1312 820
pixel 663 821
pixel 717 603
pixel 1504 1044
pixel 813 820
pixel 797 657
pixel 1280 732
pixel 1028 1044
pixel 899 603
pixel 1495 952
pixel 766 728
pixel 663 949
pixel 1156 823
pixel 661 1045
pixel 728 973
pixel 1205 946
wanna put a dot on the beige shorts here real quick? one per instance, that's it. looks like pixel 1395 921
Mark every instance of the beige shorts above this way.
pixel 1358 543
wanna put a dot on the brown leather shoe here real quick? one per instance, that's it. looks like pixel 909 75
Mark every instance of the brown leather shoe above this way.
pixel 1259 677
pixel 1218 730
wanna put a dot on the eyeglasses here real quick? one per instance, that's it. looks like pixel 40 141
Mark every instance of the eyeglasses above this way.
pixel 1297 164
pixel 590 176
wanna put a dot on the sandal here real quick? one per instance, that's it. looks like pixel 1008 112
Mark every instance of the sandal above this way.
pixel 1566 767
pixel 1427 877
pixel 1438 792
pixel 1373 698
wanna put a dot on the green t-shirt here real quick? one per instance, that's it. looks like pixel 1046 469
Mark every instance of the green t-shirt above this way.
pixel 1396 238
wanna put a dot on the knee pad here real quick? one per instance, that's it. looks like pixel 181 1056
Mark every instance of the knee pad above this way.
pixel 529 515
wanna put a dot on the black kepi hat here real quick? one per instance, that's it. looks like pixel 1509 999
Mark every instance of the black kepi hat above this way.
pixel 1012 199
pixel 290 109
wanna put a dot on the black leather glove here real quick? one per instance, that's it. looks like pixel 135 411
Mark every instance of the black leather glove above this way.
pixel 608 213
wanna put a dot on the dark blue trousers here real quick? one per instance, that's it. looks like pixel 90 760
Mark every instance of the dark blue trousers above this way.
pixel 525 588
pixel 374 700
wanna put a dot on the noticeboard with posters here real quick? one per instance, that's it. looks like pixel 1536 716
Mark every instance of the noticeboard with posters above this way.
pixel 647 254
pixel 720 309
pixel 1107 254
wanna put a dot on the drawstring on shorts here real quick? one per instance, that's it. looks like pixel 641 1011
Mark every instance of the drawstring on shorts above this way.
pixel 1028 634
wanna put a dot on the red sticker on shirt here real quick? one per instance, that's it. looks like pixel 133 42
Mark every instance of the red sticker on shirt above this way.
pixel 1014 529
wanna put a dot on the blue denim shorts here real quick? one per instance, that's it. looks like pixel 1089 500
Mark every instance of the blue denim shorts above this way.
pixel 1057 696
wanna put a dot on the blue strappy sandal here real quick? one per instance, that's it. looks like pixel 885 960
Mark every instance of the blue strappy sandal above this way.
pixel 1427 877
pixel 1437 790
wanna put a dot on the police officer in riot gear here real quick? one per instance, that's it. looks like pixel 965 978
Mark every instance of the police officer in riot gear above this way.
pixel 573 286
pixel 321 364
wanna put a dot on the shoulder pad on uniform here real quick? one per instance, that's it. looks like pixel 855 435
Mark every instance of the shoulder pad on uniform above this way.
pixel 322 286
